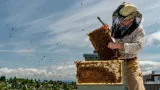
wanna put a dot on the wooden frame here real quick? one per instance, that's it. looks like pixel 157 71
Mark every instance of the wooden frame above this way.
pixel 121 67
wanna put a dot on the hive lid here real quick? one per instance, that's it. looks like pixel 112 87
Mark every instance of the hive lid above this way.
pixel 92 54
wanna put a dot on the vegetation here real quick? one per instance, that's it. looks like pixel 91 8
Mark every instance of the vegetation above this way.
pixel 30 84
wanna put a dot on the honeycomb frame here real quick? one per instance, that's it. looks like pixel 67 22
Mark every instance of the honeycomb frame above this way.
pixel 110 63
pixel 100 38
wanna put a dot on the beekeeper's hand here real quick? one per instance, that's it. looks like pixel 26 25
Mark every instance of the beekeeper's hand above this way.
pixel 106 26
pixel 112 45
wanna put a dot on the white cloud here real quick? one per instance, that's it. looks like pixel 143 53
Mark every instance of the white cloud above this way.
pixel 68 51
pixel 52 47
pixel 18 51
pixel 24 72
pixel 69 28
pixel 65 71
pixel 57 72
pixel 149 56
pixel 148 66
pixel 19 12
pixel 148 9
pixel 153 39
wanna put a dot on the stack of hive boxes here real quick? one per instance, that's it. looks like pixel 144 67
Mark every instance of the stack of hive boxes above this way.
pixel 104 73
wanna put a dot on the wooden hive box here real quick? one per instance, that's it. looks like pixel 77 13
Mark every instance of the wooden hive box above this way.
pixel 100 72
pixel 101 75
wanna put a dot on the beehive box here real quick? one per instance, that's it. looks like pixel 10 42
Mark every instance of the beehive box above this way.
pixel 91 57
pixel 101 75
pixel 99 72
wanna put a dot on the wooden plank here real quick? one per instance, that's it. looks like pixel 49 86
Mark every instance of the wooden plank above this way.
pixel 101 87
pixel 98 61
pixel 100 83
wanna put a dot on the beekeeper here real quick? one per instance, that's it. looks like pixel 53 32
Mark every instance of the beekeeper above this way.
pixel 129 38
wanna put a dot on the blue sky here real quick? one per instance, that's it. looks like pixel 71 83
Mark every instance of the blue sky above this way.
pixel 47 35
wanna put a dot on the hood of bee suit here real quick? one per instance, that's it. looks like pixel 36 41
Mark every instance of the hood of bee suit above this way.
pixel 125 11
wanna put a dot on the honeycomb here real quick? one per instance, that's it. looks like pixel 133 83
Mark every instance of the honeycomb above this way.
pixel 100 38
pixel 99 72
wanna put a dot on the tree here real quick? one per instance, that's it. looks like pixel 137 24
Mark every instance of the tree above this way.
pixel 14 79
pixel 24 88
pixel 39 80
pixel 1 88
pixel 12 85
pixel 16 84
pixel 65 86
pixel 37 85
pixel 31 81
pixel 35 80
pixel 2 78
pixel 51 81
pixel 10 80
pixel 68 88
pixel 27 80
pixel 72 83
pixel 56 88
pixel 21 85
